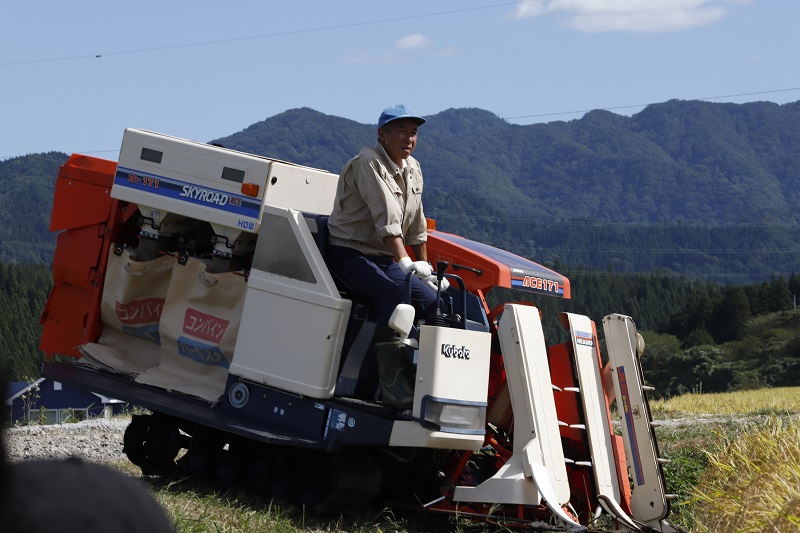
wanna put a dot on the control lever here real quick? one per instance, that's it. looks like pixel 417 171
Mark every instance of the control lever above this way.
pixel 476 271
pixel 441 266
pixel 437 318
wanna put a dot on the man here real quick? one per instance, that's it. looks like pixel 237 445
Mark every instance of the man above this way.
pixel 376 214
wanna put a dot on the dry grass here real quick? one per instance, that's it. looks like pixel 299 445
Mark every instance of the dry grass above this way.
pixel 784 400
pixel 199 507
pixel 737 472
pixel 734 455
pixel 194 508
pixel 753 484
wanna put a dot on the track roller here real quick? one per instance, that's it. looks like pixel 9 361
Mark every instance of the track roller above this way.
pixel 152 444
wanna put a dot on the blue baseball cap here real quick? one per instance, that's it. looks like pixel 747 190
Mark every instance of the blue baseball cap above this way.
pixel 396 112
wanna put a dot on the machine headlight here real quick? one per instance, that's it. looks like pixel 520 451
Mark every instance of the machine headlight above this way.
pixel 455 416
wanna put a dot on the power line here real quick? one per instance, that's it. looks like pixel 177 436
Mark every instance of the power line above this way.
pixel 352 25
pixel 622 225
pixel 555 113
pixel 673 251
pixel 686 276
pixel 263 35
pixel 756 93
pixel 82 152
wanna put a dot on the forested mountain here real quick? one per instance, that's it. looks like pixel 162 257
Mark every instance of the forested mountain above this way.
pixel 677 162
pixel 26 198
pixel 695 188
pixel 698 189
pixel 684 192
pixel 699 336
pixel 23 291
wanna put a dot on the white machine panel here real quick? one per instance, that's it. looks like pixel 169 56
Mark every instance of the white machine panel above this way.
pixel 294 320
pixel 453 364
pixel 536 472
pixel 649 502
pixel 202 181
pixel 453 367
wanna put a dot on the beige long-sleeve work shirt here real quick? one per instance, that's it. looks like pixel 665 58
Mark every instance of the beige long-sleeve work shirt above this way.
pixel 375 199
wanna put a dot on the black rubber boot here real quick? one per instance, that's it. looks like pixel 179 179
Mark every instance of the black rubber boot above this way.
pixel 396 373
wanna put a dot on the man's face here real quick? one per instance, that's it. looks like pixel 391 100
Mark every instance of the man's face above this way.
pixel 399 139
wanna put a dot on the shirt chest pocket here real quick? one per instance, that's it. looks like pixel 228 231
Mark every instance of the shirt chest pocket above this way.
pixel 395 189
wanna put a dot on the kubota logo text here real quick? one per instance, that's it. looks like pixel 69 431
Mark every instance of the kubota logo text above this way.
pixel 456 352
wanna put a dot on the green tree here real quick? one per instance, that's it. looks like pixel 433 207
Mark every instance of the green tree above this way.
pixel 730 316
pixel 23 291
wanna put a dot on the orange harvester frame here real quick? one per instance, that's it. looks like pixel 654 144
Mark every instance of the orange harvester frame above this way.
pixel 71 316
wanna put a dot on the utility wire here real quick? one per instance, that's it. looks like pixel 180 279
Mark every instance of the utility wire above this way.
pixel 518 117
pixel 264 35
pixel 609 224
pixel 352 25
pixel 645 105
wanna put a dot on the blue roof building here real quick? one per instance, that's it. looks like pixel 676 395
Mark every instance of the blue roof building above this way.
pixel 45 401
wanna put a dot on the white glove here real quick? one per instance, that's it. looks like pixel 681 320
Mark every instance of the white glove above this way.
pixel 431 282
pixel 422 269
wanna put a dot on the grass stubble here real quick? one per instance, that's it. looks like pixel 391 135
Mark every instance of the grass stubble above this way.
pixel 734 465
pixel 735 460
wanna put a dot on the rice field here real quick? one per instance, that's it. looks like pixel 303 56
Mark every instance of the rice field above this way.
pixel 735 464
pixel 785 400
pixel 735 459
pixel 753 482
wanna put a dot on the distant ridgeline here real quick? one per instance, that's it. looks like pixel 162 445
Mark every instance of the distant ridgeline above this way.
pixel 693 188
pixel 696 189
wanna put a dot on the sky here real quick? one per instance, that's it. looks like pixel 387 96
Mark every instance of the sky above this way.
pixel 74 75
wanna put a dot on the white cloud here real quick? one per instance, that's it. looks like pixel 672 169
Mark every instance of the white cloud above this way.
pixel 361 56
pixel 411 42
pixel 449 51
pixel 404 50
pixel 527 9
pixel 629 15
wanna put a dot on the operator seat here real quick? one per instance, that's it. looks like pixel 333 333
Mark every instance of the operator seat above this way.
pixel 358 373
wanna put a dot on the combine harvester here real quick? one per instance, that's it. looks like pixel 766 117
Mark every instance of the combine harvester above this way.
pixel 190 280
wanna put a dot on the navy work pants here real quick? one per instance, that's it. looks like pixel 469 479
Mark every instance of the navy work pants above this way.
pixel 379 281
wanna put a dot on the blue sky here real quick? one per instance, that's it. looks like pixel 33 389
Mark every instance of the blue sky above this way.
pixel 74 75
